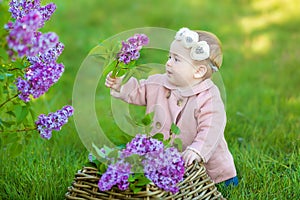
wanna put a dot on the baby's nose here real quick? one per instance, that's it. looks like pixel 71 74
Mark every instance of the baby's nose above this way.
pixel 169 62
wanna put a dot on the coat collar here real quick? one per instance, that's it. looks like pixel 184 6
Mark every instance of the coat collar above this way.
pixel 196 89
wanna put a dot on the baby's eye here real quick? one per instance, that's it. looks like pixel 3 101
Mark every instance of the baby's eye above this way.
pixel 175 58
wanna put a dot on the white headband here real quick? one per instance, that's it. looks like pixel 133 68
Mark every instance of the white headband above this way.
pixel 199 49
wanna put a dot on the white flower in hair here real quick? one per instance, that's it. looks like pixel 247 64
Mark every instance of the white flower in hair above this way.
pixel 200 51
pixel 190 38
pixel 179 35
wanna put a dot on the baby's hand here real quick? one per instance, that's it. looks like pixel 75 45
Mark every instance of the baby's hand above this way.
pixel 113 83
pixel 189 155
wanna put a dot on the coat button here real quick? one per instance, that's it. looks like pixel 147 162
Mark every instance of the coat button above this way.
pixel 168 94
pixel 158 125
pixel 179 102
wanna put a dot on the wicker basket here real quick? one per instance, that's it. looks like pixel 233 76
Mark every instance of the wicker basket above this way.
pixel 196 185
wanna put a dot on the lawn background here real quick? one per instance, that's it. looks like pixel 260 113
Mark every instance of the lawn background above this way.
pixel 260 71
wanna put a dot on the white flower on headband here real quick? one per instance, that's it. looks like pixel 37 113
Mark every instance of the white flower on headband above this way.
pixel 180 33
pixel 200 51
pixel 190 38
pixel 187 36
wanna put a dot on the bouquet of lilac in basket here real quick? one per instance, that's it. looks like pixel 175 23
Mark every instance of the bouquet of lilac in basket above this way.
pixel 143 160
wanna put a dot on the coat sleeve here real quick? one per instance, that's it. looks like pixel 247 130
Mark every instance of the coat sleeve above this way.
pixel 211 121
pixel 133 92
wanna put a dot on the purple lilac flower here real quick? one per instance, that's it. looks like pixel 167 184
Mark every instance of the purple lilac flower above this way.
pixel 142 145
pixel 24 39
pixel 47 11
pixel 165 169
pixel 43 42
pixel 22 32
pixel 116 174
pixel 53 121
pixel 91 157
pixel 21 8
pixel 130 49
pixel 24 87
pixel 38 79
pixel 42 74
pixel 105 158
pixel 49 56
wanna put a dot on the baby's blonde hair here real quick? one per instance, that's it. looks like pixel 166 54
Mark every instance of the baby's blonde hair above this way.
pixel 216 54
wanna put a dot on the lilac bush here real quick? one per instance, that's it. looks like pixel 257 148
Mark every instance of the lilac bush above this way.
pixel 28 71
pixel 41 50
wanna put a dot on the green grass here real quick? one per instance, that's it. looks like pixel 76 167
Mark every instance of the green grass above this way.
pixel 260 71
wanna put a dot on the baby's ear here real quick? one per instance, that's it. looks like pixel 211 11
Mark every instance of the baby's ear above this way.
pixel 200 71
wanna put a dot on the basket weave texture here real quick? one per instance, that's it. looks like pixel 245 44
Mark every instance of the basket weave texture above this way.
pixel 196 185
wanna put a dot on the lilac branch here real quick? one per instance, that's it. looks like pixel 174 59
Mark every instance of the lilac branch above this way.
pixel 8 100
pixel 19 130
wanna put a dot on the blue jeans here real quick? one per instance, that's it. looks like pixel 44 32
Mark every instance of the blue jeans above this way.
pixel 232 181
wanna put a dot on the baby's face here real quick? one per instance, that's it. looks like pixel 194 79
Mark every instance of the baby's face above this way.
pixel 180 67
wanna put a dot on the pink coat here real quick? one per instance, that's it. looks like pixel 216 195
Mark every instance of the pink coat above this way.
pixel 198 112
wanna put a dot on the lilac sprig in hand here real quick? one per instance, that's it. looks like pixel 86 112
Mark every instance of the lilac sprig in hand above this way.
pixel 130 51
